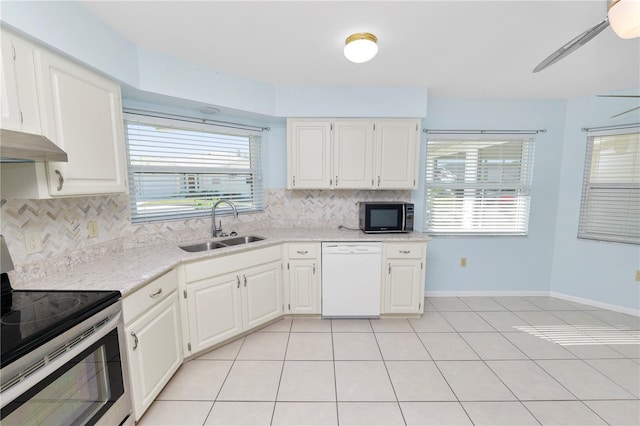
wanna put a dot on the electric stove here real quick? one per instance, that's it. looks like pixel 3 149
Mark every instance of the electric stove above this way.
pixel 30 318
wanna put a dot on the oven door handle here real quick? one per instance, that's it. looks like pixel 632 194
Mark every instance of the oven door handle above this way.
pixel 49 367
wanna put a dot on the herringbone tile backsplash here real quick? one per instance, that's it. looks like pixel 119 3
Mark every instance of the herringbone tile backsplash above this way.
pixel 63 223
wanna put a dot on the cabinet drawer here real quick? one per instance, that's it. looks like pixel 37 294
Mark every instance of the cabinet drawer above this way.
pixel 149 295
pixel 303 250
pixel 404 250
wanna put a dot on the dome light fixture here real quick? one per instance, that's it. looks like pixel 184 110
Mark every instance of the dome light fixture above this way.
pixel 624 17
pixel 361 47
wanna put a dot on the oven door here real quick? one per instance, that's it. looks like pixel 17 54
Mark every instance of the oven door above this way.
pixel 84 385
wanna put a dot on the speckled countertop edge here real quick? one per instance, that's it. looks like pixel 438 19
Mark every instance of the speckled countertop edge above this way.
pixel 133 268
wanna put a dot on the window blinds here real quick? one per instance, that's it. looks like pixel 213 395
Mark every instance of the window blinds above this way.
pixel 179 169
pixel 478 184
pixel 610 209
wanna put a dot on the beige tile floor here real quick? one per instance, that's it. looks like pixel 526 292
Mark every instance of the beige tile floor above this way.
pixel 467 361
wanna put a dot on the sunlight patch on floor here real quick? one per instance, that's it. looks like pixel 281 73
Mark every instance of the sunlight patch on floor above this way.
pixel 569 335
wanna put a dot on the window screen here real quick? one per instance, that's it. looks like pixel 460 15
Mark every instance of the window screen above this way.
pixel 610 209
pixel 478 184
pixel 179 169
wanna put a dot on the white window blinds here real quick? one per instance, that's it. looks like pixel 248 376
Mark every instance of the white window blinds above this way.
pixel 478 184
pixel 179 169
pixel 610 209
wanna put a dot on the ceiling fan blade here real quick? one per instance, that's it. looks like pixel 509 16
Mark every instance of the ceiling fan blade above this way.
pixel 625 112
pixel 618 96
pixel 573 45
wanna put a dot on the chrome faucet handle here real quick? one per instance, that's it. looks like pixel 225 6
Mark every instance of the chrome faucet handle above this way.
pixel 223 234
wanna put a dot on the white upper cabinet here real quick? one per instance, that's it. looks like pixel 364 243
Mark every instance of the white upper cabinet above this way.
pixel 352 153
pixel 76 108
pixel 84 118
pixel 19 106
pixel 397 154
pixel 309 154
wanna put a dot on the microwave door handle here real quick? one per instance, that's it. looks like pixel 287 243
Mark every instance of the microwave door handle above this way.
pixel 404 217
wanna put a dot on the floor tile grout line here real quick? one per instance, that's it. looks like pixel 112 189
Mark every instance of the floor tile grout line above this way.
pixel 284 358
pixel 335 377
pixel 388 374
pixel 443 376
pixel 244 339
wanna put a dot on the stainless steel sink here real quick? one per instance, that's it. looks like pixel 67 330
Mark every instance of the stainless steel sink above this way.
pixel 212 245
pixel 241 240
pixel 202 247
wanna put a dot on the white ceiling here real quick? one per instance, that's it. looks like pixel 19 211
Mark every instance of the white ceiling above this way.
pixel 463 49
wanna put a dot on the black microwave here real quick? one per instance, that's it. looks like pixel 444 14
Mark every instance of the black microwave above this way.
pixel 385 216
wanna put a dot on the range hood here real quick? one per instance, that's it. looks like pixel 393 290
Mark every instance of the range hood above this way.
pixel 20 146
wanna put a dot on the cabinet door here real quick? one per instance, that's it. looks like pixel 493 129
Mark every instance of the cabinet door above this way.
pixel 353 154
pixel 214 310
pixel 308 154
pixel 9 106
pixel 397 154
pixel 153 349
pixel 84 117
pixel 261 296
pixel 403 287
pixel 304 295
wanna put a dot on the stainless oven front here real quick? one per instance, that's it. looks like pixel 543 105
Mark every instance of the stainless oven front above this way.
pixel 77 378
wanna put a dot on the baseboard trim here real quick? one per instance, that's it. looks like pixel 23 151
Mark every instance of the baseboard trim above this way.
pixel 484 293
pixel 595 303
pixel 567 297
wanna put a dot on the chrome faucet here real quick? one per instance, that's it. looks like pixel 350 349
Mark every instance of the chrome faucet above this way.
pixel 214 229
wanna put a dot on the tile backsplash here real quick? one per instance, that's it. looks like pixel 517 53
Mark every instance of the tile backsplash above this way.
pixel 63 223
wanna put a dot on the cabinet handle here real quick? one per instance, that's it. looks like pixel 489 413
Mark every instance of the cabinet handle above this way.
pixel 389 269
pixel 294 181
pixel 245 280
pixel 330 182
pixel 238 279
pixel 156 293
pixel 302 251
pixel 60 179
pixel 314 269
pixel 378 180
pixel 405 251
pixel 336 180
pixel 135 340
pixel 21 118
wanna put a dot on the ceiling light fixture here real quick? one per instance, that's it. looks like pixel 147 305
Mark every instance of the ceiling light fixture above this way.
pixel 361 47
pixel 624 17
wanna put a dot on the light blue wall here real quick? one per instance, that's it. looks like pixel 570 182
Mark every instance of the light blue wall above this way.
pixel 592 270
pixel 516 264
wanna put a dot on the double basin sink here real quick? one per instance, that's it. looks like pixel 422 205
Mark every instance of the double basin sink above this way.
pixel 229 242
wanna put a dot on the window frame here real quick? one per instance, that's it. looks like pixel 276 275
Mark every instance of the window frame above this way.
pixel 199 173
pixel 474 192
pixel 589 203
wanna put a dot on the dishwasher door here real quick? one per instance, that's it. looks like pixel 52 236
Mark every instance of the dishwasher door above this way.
pixel 351 279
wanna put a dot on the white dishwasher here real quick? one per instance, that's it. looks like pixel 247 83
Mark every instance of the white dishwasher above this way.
pixel 351 279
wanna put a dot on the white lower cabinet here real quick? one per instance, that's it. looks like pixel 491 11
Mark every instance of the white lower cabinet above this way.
pixel 231 294
pixel 303 278
pixel 404 278
pixel 154 340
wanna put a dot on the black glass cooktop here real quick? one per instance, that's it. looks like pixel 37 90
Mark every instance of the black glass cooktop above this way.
pixel 30 318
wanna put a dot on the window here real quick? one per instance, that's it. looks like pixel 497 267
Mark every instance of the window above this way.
pixel 610 209
pixel 179 169
pixel 478 184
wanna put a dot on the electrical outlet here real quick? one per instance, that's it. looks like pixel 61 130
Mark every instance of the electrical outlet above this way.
pixel 463 262
pixel 93 229
pixel 638 275
pixel 32 242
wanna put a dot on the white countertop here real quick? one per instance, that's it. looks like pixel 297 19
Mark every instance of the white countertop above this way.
pixel 130 269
